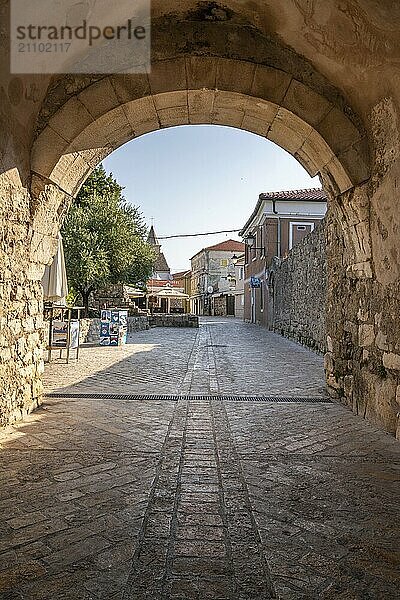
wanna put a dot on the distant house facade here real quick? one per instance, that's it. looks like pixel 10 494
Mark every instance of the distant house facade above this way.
pixel 182 281
pixel 213 280
pixel 279 221
pixel 239 288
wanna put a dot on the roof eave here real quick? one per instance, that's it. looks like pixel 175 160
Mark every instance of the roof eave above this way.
pixel 253 215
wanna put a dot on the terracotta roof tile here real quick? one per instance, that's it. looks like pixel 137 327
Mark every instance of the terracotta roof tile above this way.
pixel 159 283
pixel 304 195
pixel 228 246
pixel 308 194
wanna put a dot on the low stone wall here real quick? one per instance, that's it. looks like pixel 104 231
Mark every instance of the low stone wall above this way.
pixel 297 291
pixel 90 329
pixel 179 320
pixel 138 324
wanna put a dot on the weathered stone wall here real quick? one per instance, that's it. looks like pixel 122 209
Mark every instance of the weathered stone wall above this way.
pixel 363 345
pixel 138 324
pixel 27 242
pixel 179 320
pixel 30 213
pixel 297 292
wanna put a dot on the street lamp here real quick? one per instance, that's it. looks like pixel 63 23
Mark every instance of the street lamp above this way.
pixel 250 241
pixel 235 258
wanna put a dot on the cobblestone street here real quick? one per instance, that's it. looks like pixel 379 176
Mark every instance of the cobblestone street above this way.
pixel 197 492
pixel 223 356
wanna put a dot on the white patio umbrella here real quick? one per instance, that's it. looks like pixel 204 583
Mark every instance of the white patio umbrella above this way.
pixel 54 280
pixel 169 293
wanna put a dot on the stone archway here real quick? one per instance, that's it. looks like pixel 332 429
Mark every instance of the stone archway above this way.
pixel 286 73
pixel 193 90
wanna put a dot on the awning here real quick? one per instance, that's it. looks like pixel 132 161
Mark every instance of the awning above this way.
pixel 171 293
pixel 133 292
pixel 54 280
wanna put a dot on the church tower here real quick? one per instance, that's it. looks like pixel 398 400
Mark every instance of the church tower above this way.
pixel 161 270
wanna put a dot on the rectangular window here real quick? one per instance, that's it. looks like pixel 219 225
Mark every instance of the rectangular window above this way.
pixel 223 262
pixel 298 230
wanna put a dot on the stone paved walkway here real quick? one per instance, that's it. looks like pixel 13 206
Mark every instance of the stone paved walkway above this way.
pixel 193 499
pixel 223 356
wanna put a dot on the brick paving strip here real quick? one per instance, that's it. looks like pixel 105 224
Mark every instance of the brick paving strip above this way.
pixel 201 376
pixel 199 538
pixel 146 579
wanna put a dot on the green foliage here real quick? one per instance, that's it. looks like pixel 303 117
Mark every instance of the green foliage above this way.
pixel 104 238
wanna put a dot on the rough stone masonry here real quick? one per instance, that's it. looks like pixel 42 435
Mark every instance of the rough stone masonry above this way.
pixel 297 292
pixel 319 79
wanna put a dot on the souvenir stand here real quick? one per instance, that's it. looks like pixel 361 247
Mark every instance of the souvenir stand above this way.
pixel 63 330
pixel 113 326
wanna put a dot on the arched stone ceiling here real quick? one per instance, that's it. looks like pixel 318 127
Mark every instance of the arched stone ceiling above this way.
pixel 196 89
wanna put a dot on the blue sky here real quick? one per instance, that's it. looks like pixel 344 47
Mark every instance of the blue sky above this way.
pixel 201 178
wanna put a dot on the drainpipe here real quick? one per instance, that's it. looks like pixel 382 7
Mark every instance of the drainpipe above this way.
pixel 278 243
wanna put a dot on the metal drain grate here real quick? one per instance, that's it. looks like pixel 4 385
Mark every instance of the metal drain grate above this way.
pixel 216 346
pixel 140 397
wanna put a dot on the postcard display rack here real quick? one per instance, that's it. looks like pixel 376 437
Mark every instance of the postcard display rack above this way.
pixel 63 330
pixel 113 327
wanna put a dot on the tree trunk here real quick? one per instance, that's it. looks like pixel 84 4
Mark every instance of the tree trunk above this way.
pixel 85 301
